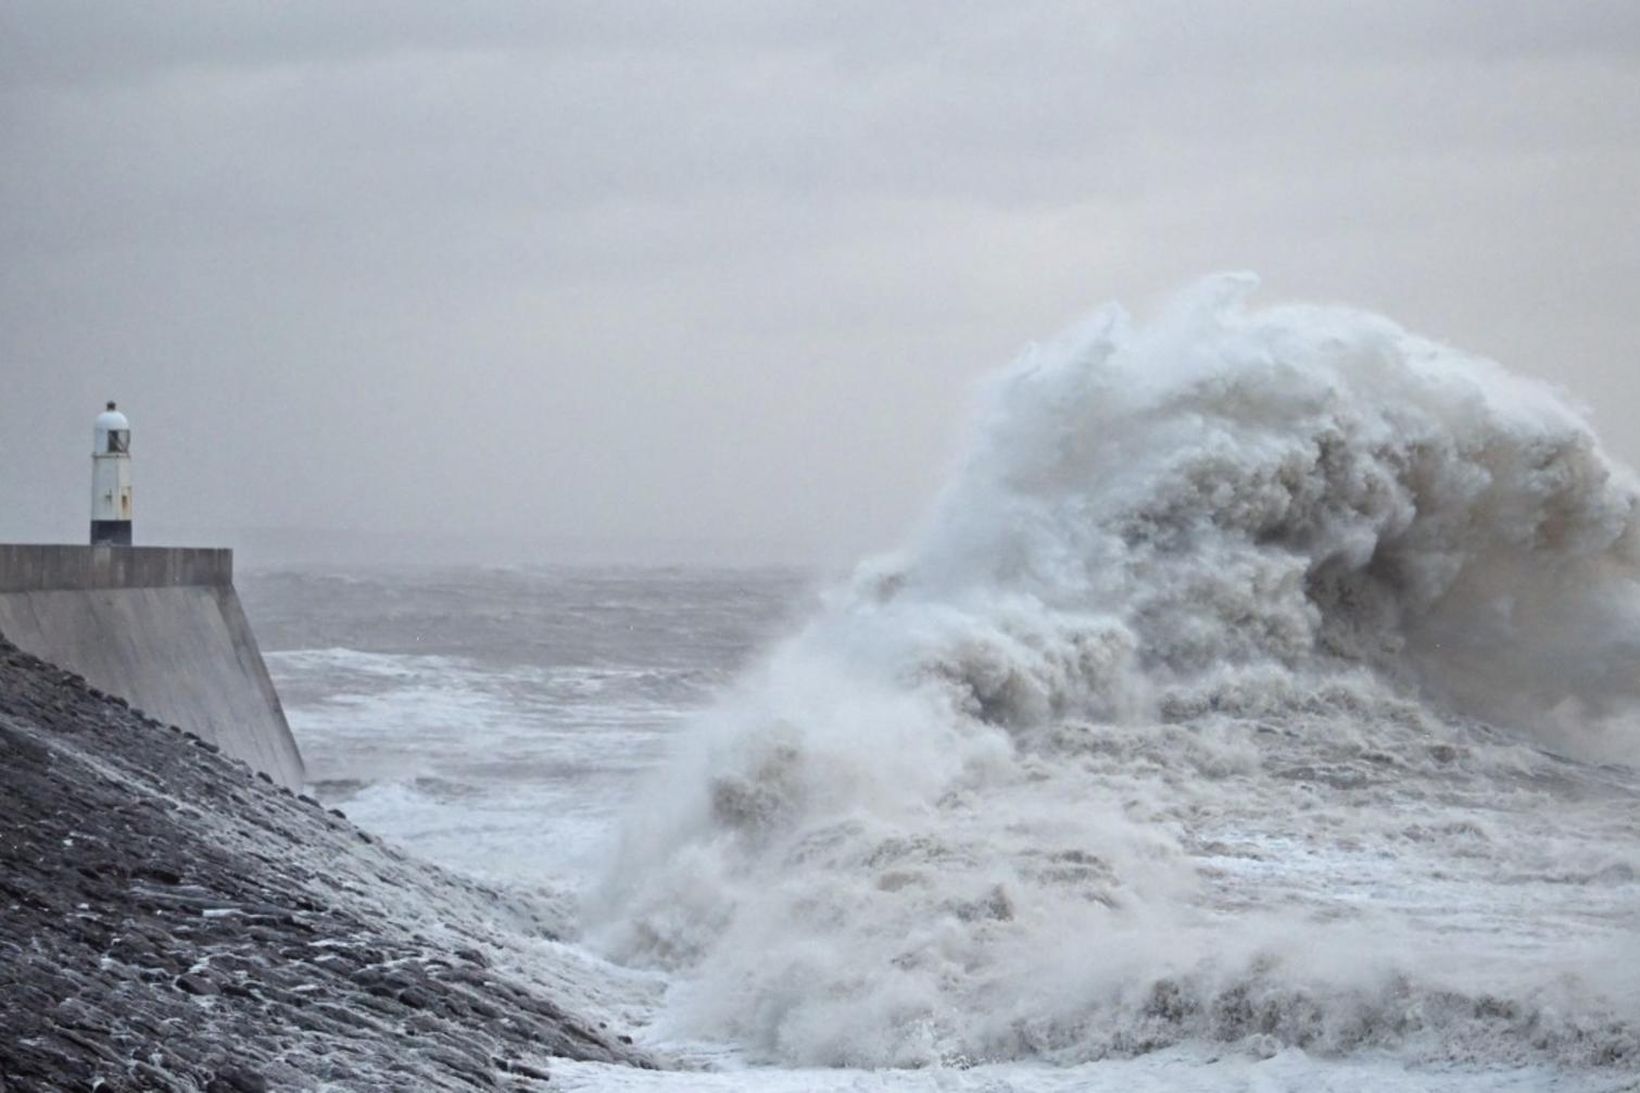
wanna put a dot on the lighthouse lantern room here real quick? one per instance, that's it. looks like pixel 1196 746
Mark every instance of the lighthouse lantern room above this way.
pixel 111 479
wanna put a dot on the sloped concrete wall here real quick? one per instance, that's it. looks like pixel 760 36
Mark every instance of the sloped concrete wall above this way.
pixel 160 627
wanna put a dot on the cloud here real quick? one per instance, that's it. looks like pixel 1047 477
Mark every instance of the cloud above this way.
pixel 722 271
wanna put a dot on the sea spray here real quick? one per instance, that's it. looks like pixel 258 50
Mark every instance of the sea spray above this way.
pixel 1243 685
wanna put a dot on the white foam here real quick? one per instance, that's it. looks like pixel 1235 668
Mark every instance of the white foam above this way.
pixel 460 760
pixel 1168 1071
pixel 1215 701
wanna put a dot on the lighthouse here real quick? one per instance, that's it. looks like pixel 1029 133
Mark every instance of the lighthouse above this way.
pixel 111 479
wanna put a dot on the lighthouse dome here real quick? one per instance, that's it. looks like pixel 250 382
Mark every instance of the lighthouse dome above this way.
pixel 112 435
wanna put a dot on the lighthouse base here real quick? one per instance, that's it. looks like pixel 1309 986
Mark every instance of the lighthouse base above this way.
pixel 110 533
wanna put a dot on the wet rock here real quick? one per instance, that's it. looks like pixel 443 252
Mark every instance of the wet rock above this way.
pixel 196 984
pixel 416 998
pixel 236 1079
pixel 513 1066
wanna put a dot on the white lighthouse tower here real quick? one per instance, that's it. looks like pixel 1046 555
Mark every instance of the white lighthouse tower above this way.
pixel 111 479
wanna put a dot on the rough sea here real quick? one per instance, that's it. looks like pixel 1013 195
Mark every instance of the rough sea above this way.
pixel 1258 707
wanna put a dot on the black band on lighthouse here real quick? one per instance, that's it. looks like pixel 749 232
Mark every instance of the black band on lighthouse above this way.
pixel 111 532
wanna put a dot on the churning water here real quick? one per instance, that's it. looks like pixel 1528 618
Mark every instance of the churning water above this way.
pixel 1257 707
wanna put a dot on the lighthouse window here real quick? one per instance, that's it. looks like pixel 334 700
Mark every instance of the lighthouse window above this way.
pixel 119 440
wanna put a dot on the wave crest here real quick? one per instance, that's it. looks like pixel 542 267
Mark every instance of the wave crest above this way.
pixel 1219 611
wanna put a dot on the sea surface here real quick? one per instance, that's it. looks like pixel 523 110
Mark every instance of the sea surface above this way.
pixel 1256 708
pixel 501 721
pixel 495 719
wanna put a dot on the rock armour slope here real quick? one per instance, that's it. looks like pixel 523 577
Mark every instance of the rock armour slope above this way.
pixel 170 921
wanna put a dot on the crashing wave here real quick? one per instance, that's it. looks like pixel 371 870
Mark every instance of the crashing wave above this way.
pixel 1246 684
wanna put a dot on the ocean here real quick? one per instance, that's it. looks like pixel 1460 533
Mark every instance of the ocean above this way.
pixel 495 720
pixel 1256 708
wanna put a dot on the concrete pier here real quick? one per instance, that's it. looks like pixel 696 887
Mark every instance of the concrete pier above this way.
pixel 162 628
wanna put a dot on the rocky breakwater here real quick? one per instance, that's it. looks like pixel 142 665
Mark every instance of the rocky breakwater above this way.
pixel 170 921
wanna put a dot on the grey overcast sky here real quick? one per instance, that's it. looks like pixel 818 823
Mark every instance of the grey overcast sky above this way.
pixel 710 280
